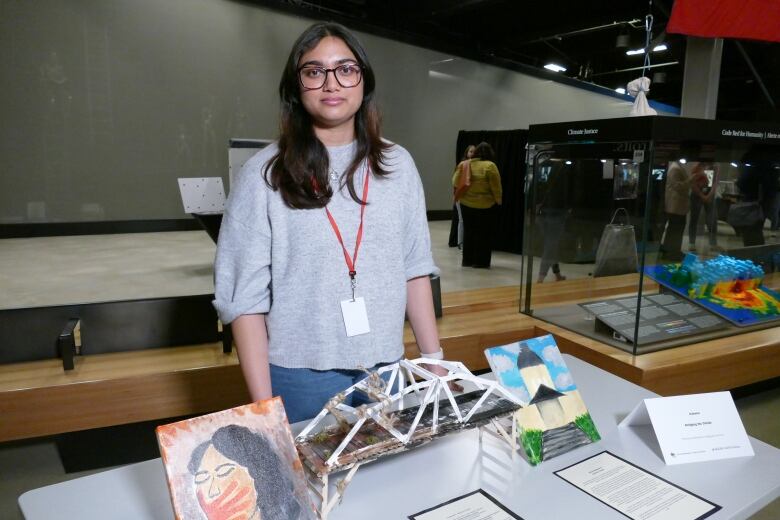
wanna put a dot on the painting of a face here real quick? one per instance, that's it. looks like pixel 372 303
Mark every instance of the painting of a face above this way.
pixel 225 489
pixel 237 464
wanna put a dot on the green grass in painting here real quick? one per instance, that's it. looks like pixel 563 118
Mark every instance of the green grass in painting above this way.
pixel 585 423
pixel 532 444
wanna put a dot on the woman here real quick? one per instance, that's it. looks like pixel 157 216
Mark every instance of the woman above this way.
pixel 461 178
pixel 237 475
pixel 307 311
pixel 676 205
pixel 477 208
pixel 703 189
pixel 757 184
pixel 553 211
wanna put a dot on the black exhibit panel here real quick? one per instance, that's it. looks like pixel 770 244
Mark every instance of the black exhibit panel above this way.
pixel 38 333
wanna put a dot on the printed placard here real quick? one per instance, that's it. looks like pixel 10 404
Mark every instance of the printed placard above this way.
pixel 477 505
pixel 634 492
pixel 694 428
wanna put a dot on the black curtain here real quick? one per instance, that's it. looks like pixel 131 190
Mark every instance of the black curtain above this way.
pixel 509 146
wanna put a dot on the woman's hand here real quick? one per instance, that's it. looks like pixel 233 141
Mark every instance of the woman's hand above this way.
pixel 442 372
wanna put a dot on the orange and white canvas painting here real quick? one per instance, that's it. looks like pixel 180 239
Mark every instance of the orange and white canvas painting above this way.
pixel 237 464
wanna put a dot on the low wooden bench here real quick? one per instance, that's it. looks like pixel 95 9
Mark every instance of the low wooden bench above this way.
pixel 39 398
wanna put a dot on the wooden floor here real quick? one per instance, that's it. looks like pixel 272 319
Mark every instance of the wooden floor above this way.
pixel 39 398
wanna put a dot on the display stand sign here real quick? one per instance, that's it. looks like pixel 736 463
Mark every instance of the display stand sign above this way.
pixel 202 194
pixel 694 428
pixel 477 505
pixel 661 317
pixel 634 492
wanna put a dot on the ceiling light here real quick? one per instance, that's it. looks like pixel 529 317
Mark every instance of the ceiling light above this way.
pixel 748 164
pixel 683 160
pixel 603 161
pixel 661 47
pixel 633 52
pixel 555 67
pixel 735 165
pixel 620 90
pixel 568 162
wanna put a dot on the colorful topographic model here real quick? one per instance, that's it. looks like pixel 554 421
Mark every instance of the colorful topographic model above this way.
pixel 725 285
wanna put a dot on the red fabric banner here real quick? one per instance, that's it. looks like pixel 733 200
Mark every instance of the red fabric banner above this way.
pixel 747 19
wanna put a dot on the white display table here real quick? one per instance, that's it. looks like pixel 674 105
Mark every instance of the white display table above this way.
pixel 400 485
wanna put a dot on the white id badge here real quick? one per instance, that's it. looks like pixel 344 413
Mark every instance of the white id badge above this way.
pixel 355 317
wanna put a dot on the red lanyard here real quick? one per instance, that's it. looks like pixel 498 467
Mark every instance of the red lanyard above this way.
pixel 352 261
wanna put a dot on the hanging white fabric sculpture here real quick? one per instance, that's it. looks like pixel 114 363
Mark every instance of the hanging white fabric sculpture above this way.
pixel 637 88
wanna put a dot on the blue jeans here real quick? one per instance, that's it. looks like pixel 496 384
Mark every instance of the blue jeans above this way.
pixel 305 391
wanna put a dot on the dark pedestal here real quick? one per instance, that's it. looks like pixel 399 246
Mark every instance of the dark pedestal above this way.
pixel 210 222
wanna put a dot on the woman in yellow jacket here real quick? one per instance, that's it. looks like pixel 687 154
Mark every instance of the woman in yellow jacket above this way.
pixel 477 207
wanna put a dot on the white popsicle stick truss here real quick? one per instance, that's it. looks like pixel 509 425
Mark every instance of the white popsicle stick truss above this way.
pixel 429 387
pixel 409 398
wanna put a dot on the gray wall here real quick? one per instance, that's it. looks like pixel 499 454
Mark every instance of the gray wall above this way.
pixel 106 102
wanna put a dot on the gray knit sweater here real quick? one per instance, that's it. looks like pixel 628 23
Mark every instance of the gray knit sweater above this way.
pixel 288 262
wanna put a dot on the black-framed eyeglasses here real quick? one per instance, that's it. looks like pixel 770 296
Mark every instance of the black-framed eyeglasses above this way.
pixel 347 75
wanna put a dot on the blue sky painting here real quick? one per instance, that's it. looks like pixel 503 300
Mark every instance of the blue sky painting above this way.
pixel 503 361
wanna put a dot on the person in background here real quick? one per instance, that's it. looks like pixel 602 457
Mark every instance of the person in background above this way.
pixel 309 315
pixel 553 212
pixel 774 215
pixel 676 205
pixel 757 182
pixel 478 208
pixel 703 189
pixel 461 179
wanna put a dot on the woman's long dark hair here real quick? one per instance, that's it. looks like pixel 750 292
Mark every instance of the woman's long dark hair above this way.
pixel 301 164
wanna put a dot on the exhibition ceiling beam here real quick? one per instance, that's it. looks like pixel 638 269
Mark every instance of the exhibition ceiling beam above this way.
pixel 559 36
pixel 667 64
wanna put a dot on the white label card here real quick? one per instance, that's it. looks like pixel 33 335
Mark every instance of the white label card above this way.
pixel 634 492
pixel 694 428
pixel 477 505
pixel 355 317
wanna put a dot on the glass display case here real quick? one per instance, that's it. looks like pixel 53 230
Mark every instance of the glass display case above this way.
pixel 653 232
